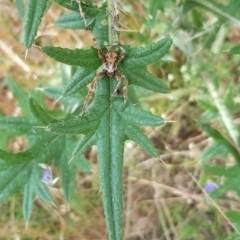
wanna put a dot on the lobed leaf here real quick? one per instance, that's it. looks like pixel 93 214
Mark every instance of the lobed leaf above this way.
pixel 34 14
pixel 71 21
pixel 139 117
pixel 80 79
pixel 13 178
pixel 19 124
pixel 110 156
pixel 84 144
pixel 143 78
pixel 28 198
pixel 39 113
pixel 87 58
pixel 135 134
pixel 21 96
pixel 143 56
pixel 67 173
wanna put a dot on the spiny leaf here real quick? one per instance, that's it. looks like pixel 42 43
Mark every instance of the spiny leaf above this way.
pixel 143 78
pixel 78 57
pixel 28 200
pixel 34 14
pixel 138 137
pixel 22 96
pixel 81 78
pixel 13 178
pixel 84 144
pixel 143 56
pixel 42 191
pixel 40 113
pixel 19 124
pixel 71 21
pixel 74 125
pixel 110 157
pixel 138 117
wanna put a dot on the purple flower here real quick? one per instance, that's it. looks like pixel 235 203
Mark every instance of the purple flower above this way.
pixel 47 175
pixel 210 186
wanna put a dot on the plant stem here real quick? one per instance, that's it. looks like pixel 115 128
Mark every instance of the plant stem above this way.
pixel 110 20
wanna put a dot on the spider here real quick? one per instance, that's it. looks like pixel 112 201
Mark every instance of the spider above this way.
pixel 110 60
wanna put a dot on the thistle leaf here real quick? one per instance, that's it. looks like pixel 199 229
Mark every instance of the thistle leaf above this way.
pixel 83 58
pixel 34 14
pixel 143 78
pixel 143 56
pixel 135 134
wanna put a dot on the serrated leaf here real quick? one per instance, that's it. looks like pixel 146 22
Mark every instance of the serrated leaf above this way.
pixel 74 125
pixel 139 117
pixel 34 14
pixel 100 28
pixel 42 191
pixel 143 56
pixel 67 173
pixel 110 157
pixel 71 21
pixel 135 134
pixel 39 113
pixel 80 79
pixel 19 124
pixel 22 96
pixel 78 57
pixel 13 178
pixel 84 144
pixel 145 79
pixel 82 163
pixel 28 197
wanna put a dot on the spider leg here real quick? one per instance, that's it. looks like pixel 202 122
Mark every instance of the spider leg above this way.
pixel 121 55
pixel 120 77
pixel 92 90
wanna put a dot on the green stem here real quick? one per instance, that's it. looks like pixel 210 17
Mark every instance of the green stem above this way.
pixel 110 20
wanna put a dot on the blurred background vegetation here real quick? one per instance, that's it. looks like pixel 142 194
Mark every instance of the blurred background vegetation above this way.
pixel 192 192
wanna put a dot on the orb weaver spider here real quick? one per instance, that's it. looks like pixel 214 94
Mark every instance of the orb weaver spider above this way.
pixel 110 61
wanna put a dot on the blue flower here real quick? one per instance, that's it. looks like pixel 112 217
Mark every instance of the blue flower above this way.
pixel 210 186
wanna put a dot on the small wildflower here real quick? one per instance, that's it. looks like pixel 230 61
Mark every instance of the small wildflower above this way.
pixel 47 176
pixel 210 186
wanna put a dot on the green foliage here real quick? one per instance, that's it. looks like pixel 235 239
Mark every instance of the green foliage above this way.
pixel 108 123
pixel 59 138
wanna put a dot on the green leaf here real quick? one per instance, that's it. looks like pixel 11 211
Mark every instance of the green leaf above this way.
pixel 143 56
pixel 19 124
pixel 39 113
pixel 235 49
pixel 22 96
pixel 67 173
pixel 145 79
pixel 84 144
pixel 74 125
pixel 42 191
pixel 13 178
pixel 34 14
pixel 28 198
pixel 135 134
pixel 71 21
pixel 139 117
pixel 110 156
pixel 83 58
pixel 80 79
pixel 83 164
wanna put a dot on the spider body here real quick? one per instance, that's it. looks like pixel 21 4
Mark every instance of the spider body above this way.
pixel 110 61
